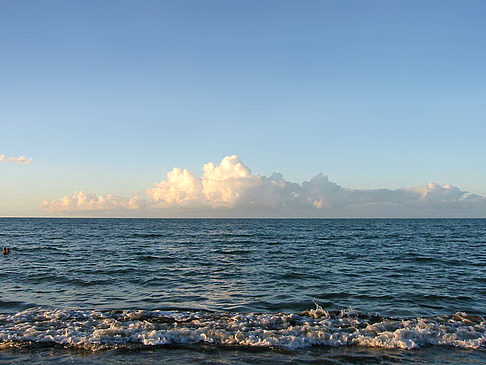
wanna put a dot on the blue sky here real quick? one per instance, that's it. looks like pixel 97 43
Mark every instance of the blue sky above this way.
pixel 108 96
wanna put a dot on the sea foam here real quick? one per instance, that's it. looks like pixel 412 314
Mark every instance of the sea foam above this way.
pixel 98 330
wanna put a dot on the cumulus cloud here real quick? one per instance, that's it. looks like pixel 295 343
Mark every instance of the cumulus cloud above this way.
pixel 82 201
pixel 20 159
pixel 231 189
pixel 220 186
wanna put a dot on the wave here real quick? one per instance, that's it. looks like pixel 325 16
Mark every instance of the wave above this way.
pixel 100 330
pixel 15 305
pixel 233 252
pixel 156 258
pixel 38 278
pixel 147 235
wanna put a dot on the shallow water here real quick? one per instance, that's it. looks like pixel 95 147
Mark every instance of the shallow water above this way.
pixel 243 290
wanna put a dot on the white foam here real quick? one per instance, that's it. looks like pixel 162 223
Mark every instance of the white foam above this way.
pixel 95 330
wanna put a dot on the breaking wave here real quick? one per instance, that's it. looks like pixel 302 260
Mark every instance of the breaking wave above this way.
pixel 100 330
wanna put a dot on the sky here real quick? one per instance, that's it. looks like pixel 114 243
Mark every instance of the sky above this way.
pixel 314 108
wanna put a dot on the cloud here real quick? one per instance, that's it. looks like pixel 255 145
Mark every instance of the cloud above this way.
pixel 20 159
pixel 220 186
pixel 82 201
pixel 231 189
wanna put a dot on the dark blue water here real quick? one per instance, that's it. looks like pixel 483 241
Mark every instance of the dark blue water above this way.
pixel 243 291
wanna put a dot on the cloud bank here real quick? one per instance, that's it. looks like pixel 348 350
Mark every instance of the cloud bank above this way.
pixel 231 189
pixel 20 159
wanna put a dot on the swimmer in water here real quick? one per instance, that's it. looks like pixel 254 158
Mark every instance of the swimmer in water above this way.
pixel 6 250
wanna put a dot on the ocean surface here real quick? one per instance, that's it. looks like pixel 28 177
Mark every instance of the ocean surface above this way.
pixel 243 291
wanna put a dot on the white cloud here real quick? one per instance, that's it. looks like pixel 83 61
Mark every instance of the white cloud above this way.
pixel 20 159
pixel 81 200
pixel 220 186
pixel 231 189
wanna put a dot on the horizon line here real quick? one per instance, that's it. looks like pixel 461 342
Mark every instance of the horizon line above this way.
pixel 281 218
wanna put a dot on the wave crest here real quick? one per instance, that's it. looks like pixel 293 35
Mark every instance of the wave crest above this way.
pixel 98 330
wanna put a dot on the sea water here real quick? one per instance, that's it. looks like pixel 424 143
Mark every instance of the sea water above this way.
pixel 232 291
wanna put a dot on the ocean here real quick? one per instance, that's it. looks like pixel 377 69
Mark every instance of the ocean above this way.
pixel 243 291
